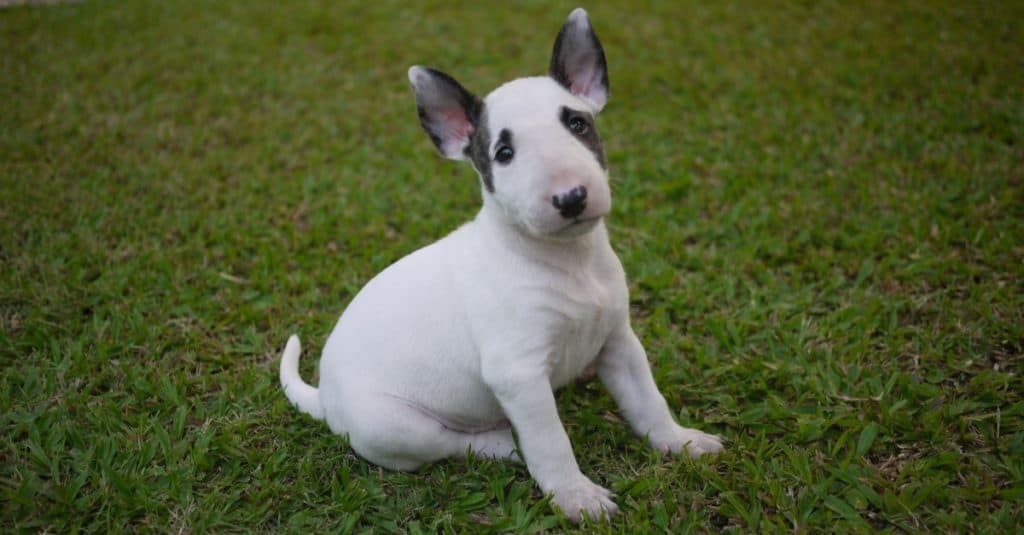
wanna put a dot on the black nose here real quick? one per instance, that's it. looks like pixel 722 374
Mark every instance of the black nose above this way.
pixel 571 203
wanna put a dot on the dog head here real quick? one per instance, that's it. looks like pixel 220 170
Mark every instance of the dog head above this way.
pixel 533 141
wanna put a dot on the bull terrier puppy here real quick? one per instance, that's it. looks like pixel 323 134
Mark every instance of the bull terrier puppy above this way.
pixel 462 342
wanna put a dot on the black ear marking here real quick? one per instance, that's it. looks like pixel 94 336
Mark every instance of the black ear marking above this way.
pixel 478 149
pixel 448 113
pixel 578 62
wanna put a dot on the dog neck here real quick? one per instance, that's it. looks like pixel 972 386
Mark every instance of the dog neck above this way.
pixel 569 254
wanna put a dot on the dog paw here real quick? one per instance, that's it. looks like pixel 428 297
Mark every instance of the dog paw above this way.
pixel 694 442
pixel 584 498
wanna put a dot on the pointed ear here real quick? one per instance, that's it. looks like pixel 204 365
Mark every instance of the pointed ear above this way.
pixel 577 61
pixel 447 111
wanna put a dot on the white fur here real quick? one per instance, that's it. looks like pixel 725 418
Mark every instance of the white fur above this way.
pixel 443 349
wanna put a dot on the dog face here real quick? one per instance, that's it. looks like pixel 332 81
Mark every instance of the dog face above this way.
pixel 533 141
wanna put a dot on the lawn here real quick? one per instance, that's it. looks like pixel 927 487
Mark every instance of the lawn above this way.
pixel 820 207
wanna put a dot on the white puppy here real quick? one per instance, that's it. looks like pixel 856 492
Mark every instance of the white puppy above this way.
pixel 440 352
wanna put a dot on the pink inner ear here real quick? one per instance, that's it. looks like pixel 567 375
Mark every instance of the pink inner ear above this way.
pixel 579 88
pixel 455 129
pixel 457 123
pixel 586 84
pixel 585 79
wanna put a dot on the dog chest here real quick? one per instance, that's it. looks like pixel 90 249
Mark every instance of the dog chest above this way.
pixel 582 313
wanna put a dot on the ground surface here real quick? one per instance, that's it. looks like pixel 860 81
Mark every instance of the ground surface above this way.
pixel 820 207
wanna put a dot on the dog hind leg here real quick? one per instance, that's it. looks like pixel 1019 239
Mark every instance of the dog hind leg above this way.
pixel 399 436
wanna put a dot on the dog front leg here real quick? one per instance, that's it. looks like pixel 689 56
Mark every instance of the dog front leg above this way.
pixel 529 404
pixel 623 368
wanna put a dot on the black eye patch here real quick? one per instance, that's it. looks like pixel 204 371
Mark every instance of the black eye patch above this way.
pixel 503 151
pixel 581 125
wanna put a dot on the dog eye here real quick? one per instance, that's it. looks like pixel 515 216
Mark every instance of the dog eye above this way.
pixel 504 154
pixel 578 125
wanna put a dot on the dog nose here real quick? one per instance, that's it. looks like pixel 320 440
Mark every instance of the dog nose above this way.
pixel 571 203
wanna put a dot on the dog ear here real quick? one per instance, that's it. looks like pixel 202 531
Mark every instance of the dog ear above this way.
pixel 448 112
pixel 577 62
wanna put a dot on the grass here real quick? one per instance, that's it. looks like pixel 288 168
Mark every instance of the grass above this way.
pixel 819 205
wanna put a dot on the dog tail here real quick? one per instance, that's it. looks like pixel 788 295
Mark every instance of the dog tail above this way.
pixel 303 396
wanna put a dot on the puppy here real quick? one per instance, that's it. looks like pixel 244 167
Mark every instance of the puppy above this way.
pixel 462 342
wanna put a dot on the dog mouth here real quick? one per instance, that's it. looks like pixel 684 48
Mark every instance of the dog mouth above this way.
pixel 580 225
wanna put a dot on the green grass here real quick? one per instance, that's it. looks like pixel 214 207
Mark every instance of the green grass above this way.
pixel 819 205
